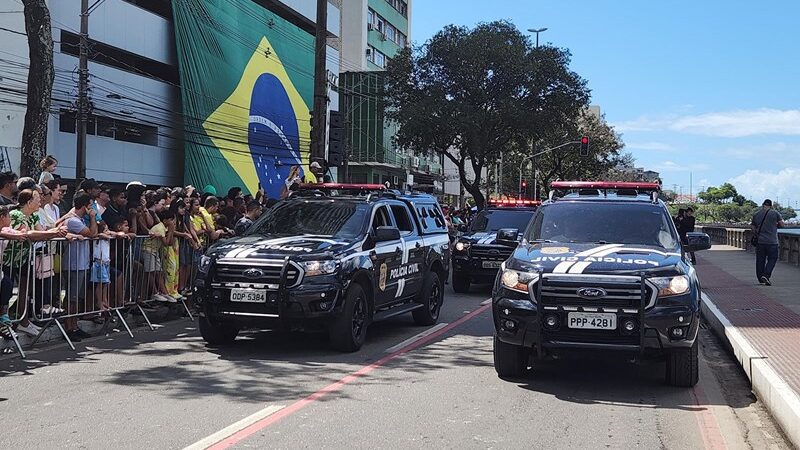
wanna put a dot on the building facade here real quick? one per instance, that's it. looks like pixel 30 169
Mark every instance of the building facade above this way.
pixel 137 128
pixel 373 32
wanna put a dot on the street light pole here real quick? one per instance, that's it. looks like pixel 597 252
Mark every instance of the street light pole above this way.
pixel 529 158
pixel 537 31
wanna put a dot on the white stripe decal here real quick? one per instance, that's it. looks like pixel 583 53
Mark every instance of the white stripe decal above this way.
pixel 564 266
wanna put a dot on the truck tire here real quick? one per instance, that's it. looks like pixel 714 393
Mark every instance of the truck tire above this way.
pixel 432 296
pixel 216 334
pixel 510 361
pixel 349 330
pixel 683 369
pixel 461 282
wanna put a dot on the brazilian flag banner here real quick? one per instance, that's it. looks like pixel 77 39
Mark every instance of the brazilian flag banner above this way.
pixel 247 85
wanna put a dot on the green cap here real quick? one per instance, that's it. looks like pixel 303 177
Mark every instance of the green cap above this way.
pixel 210 189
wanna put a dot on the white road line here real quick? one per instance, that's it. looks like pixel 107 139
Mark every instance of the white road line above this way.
pixel 486 302
pixel 415 338
pixel 235 428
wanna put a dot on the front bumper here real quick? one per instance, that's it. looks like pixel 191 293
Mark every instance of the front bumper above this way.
pixel 317 299
pixel 474 267
pixel 518 321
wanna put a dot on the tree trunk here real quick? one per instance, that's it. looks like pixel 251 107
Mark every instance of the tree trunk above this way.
pixel 40 86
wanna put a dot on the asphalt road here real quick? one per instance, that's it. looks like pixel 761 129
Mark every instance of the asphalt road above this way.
pixel 167 390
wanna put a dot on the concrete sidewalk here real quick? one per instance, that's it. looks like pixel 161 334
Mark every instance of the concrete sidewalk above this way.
pixel 761 324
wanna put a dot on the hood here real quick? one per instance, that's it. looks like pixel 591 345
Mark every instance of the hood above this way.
pixel 593 258
pixel 480 237
pixel 297 247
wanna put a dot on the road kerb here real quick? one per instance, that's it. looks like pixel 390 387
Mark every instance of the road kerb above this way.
pixel 782 402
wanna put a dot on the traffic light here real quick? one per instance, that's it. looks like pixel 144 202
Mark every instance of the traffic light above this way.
pixel 335 140
pixel 585 146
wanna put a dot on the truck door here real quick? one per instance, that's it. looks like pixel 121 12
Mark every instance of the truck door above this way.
pixel 411 270
pixel 386 259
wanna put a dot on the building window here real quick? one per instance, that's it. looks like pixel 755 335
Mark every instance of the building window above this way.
pixel 371 16
pixel 401 39
pixel 391 32
pixel 400 5
pixel 117 129
pixel 380 59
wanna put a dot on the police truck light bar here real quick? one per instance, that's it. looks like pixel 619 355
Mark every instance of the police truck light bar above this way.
pixel 341 187
pixel 609 185
pixel 514 202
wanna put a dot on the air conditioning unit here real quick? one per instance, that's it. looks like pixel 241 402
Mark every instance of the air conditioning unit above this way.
pixel 415 162
pixel 370 26
pixel 369 52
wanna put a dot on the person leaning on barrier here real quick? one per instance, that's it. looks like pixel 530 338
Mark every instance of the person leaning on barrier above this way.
pixel 76 260
pixel 16 259
pixel 6 284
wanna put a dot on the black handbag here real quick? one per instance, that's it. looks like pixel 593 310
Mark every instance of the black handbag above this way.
pixel 754 239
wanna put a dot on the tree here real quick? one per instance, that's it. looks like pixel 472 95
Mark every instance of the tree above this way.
pixel 470 94
pixel 40 85
pixel 719 195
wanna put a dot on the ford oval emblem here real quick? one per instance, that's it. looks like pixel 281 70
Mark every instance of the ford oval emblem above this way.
pixel 591 293
pixel 253 273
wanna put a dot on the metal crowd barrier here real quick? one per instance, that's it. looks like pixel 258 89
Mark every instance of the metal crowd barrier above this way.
pixel 52 282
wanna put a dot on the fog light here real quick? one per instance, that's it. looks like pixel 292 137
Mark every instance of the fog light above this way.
pixel 629 325
pixel 509 325
pixel 273 298
pixel 216 295
pixel 324 305
pixel 678 332
pixel 551 321
pixel 680 319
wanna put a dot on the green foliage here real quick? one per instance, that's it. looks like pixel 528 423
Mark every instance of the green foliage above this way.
pixel 472 94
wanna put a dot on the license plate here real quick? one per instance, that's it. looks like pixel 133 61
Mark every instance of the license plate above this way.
pixel 248 296
pixel 592 321
pixel 492 264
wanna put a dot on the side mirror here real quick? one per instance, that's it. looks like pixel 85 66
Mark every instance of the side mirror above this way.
pixel 386 234
pixel 508 237
pixel 697 241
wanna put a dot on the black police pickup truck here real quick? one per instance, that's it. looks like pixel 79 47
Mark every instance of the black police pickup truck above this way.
pixel 476 254
pixel 331 257
pixel 600 269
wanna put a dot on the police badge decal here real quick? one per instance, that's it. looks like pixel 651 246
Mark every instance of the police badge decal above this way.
pixel 382 279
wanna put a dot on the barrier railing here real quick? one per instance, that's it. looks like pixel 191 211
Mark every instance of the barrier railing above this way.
pixel 59 281
pixel 788 243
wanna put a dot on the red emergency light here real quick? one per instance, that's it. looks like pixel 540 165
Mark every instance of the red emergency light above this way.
pixel 514 202
pixel 639 186
pixel 341 187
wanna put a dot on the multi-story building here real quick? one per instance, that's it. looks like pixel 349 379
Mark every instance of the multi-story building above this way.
pixel 137 128
pixel 373 32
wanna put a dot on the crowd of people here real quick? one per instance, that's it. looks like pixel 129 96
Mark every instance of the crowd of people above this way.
pixel 83 248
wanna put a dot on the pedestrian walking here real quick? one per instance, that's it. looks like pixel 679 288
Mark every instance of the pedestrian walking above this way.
pixel 765 226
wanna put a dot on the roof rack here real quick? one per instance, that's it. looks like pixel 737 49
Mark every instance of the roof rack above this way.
pixel 621 188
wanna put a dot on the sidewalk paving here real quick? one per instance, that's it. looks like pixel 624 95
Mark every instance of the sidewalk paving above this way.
pixel 760 323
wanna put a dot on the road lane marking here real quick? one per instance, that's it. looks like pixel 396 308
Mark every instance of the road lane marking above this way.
pixel 415 338
pixel 706 421
pixel 234 438
pixel 236 427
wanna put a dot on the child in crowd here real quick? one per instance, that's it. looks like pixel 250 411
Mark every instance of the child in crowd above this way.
pixel 48 165
pixel 101 267
pixel 160 235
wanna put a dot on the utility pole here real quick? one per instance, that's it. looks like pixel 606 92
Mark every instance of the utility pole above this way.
pixel 83 101
pixel 320 117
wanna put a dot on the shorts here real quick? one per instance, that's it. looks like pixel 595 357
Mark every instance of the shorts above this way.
pixel 75 284
pixel 101 273
pixel 151 262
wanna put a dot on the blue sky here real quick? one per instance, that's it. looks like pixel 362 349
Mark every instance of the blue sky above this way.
pixel 707 88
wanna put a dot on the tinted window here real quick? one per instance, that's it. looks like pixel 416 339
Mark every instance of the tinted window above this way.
pixel 613 223
pixel 402 219
pixel 339 220
pixel 497 219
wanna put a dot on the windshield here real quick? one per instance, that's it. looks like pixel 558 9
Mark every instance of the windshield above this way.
pixel 607 223
pixel 338 220
pixel 497 219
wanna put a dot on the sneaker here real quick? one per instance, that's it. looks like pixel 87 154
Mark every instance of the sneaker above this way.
pixel 31 329
pixel 5 320
pixel 179 297
pixel 52 311
pixel 767 281
pixel 74 336
pixel 7 333
pixel 763 280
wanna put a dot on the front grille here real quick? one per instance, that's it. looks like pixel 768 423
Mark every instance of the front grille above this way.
pixel 611 337
pixel 489 253
pixel 619 293
pixel 234 272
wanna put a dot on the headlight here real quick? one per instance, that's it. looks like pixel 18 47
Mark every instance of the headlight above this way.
pixel 517 281
pixel 668 286
pixel 319 267
pixel 461 246
pixel 205 264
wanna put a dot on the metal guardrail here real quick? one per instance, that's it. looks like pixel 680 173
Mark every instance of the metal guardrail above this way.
pixel 789 244
pixel 51 282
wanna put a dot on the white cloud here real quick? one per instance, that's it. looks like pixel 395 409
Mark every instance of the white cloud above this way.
pixel 757 185
pixel 650 146
pixel 672 166
pixel 737 123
